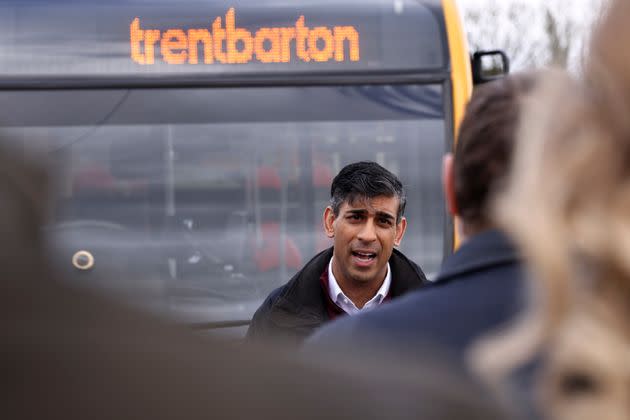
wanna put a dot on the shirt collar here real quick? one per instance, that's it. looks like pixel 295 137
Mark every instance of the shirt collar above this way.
pixel 339 297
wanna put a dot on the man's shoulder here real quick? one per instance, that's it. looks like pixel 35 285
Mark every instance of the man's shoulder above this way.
pixel 401 261
pixel 406 274
pixel 260 319
pixel 311 270
pixel 297 306
pixel 458 296
pixel 501 273
pixel 274 295
pixel 440 312
pixel 370 331
pixel 399 313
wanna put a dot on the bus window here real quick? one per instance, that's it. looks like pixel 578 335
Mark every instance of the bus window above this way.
pixel 201 214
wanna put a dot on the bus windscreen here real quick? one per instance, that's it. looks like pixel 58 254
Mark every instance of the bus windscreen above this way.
pixel 201 208
pixel 155 38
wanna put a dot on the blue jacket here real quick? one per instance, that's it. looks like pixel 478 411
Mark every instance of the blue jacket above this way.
pixel 478 290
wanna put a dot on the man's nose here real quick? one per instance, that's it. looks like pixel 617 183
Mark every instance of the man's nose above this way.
pixel 368 231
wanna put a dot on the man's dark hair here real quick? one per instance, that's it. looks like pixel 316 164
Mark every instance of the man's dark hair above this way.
pixel 366 180
pixel 487 135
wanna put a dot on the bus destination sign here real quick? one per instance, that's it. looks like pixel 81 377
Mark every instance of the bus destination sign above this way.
pixel 226 43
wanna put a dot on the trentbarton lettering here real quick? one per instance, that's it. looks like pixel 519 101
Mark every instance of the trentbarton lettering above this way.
pixel 225 43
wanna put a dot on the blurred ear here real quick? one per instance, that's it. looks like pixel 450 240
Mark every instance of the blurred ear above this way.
pixel 400 231
pixel 328 220
pixel 448 183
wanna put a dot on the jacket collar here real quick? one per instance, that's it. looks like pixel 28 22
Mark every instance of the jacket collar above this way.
pixel 406 275
pixel 303 303
pixel 481 251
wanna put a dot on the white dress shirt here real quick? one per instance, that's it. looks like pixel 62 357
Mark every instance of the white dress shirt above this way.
pixel 339 297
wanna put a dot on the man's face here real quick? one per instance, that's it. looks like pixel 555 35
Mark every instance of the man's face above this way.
pixel 365 233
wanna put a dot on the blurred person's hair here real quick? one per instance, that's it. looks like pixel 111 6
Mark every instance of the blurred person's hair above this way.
pixel 23 209
pixel 568 206
pixel 483 154
pixel 361 180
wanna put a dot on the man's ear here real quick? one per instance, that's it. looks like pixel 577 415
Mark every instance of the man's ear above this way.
pixel 448 184
pixel 400 231
pixel 328 220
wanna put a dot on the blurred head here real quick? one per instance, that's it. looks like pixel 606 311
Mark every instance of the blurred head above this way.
pixel 483 153
pixel 365 219
pixel 23 209
pixel 568 206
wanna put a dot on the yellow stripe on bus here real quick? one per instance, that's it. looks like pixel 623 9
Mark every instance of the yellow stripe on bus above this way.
pixel 461 74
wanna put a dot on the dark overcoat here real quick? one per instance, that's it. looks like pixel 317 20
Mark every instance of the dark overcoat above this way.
pixel 293 311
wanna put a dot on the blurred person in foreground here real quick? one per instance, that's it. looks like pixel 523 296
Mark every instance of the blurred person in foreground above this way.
pixel 568 206
pixel 362 270
pixel 479 288
pixel 69 354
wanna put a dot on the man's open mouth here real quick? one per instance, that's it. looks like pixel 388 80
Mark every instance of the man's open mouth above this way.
pixel 364 256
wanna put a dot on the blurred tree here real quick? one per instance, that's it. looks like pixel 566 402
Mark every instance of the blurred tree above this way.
pixel 533 33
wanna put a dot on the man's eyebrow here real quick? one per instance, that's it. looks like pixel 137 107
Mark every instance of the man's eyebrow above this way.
pixel 385 215
pixel 358 211
pixel 378 213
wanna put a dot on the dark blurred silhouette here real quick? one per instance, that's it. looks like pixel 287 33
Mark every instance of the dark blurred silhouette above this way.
pixel 568 206
pixel 67 353
pixel 479 287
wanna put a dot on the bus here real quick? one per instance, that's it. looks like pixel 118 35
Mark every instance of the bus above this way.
pixel 193 143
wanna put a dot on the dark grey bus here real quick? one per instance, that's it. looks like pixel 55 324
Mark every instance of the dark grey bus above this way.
pixel 194 142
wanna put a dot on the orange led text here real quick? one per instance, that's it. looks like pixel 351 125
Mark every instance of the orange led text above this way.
pixel 225 43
